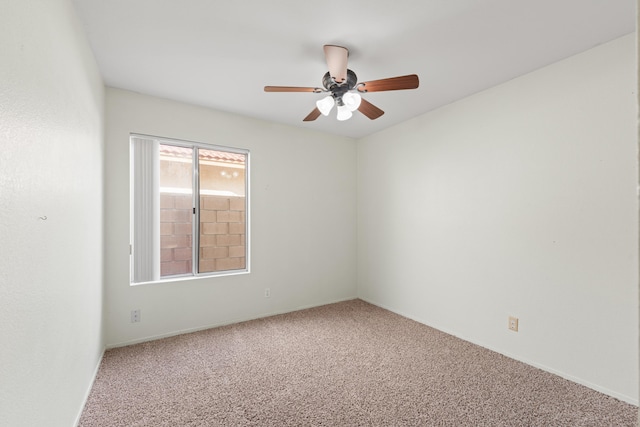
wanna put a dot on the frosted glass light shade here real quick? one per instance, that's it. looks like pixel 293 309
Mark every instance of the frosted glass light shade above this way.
pixel 325 105
pixel 351 100
pixel 344 113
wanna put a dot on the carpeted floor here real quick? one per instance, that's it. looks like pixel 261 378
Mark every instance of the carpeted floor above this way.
pixel 345 364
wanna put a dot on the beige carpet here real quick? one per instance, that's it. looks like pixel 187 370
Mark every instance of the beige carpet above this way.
pixel 346 364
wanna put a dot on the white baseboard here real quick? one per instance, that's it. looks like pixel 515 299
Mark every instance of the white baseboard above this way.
pixel 88 392
pixel 596 387
pixel 224 323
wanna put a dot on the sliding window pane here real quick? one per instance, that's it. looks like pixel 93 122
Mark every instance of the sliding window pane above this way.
pixel 176 210
pixel 222 184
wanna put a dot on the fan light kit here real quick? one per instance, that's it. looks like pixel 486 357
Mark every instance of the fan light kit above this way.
pixel 350 103
pixel 344 90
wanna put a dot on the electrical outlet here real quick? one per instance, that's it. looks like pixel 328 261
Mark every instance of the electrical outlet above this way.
pixel 135 316
pixel 267 292
pixel 513 323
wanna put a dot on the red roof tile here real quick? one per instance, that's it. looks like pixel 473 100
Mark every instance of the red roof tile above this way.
pixel 205 154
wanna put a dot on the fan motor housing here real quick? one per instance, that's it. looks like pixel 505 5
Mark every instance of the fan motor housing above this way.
pixel 337 90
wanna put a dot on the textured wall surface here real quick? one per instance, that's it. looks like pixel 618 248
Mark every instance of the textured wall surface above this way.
pixel 518 201
pixel 302 221
pixel 51 144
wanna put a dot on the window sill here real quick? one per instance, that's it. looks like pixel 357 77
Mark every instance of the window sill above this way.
pixel 189 278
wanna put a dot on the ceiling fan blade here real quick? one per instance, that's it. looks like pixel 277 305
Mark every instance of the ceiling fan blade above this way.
pixel 291 89
pixel 312 115
pixel 336 57
pixel 369 110
pixel 392 83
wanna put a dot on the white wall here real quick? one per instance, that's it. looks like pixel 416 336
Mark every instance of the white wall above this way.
pixel 304 251
pixel 520 200
pixel 51 144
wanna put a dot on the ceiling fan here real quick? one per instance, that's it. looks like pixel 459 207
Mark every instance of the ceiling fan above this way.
pixel 343 89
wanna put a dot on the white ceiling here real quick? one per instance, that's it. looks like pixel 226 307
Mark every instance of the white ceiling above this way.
pixel 220 54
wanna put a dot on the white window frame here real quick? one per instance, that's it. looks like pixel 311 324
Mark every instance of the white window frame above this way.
pixel 149 231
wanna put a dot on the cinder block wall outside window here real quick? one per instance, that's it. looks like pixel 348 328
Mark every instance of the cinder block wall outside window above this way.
pixel 222 239
pixel 222 233
pixel 176 235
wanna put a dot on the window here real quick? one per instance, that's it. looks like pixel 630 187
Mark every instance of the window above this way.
pixel 189 206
